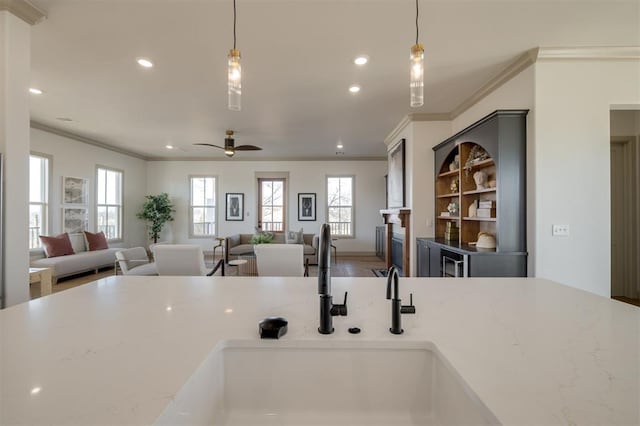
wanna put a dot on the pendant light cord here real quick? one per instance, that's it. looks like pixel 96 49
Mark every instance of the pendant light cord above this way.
pixel 234 24
pixel 416 20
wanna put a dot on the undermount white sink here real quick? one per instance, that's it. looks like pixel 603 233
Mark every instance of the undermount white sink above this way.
pixel 284 382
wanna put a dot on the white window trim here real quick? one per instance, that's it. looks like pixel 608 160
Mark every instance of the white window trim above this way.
pixel 47 219
pixel 353 204
pixel 216 207
pixel 258 202
pixel 96 204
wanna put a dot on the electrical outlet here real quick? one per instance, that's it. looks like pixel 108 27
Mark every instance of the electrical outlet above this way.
pixel 560 230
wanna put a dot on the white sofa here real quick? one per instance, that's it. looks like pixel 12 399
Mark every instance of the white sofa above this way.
pixel 81 261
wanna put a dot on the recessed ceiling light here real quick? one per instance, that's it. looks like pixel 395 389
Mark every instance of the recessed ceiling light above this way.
pixel 145 63
pixel 35 91
pixel 361 60
pixel 36 390
pixel 354 89
pixel 169 146
pixel 339 146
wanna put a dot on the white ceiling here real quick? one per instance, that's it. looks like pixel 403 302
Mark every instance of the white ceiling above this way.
pixel 297 58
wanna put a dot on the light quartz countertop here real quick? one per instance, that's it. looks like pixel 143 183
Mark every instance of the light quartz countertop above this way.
pixel 117 350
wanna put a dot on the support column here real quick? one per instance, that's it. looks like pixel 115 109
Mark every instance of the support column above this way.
pixel 15 71
pixel 401 217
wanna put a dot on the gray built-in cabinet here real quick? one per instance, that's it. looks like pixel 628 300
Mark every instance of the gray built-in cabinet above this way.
pixel 480 188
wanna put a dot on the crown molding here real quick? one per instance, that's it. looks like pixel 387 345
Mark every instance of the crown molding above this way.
pixel 237 159
pixel 24 10
pixel 601 53
pixel 534 55
pixel 84 139
pixel 521 63
pixel 66 134
pixel 409 118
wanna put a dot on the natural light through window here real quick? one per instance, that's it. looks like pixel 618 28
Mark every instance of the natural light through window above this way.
pixel 109 203
pixel 340 191
pixel 38 198
pixel 272 205
pixel 203 206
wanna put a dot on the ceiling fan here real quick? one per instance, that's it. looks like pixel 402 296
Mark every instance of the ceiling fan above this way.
pixel 229 145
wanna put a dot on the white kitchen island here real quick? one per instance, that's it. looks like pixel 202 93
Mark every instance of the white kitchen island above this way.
pixel 116 351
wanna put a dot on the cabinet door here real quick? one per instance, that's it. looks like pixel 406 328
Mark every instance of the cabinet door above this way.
pixel 435 261
pixel 422 257
pixel 498 265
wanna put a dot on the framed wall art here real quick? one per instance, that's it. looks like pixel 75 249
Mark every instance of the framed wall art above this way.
pixel 307 206
pixel 75 190
pixel 395 177
pixel 234 206
pixel 74 220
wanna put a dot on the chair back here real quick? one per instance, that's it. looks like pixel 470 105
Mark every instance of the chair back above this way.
pixel 179 259
pixel 130 258
pixel 280 260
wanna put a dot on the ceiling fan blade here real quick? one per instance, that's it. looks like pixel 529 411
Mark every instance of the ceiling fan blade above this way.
pixel 248 148
pixel 208 144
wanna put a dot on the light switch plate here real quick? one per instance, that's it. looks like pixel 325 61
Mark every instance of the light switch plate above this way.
pixel 560 231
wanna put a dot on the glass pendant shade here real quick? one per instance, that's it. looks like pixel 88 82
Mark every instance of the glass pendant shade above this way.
pixel 234 80
pixel 416 84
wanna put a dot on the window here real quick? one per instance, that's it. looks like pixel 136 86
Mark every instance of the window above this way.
pixel 272 204
pixel 38 198
pixel 202 205
pixel 109 203
pixel 340 191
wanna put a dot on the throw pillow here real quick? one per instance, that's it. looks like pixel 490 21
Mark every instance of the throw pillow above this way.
pixel 96 241
pixel 60 245
pixel 294 237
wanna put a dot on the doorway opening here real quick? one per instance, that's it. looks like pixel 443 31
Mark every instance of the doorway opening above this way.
pixel 625 205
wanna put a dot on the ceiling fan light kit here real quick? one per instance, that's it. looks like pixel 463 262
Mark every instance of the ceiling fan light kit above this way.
pixel 229 145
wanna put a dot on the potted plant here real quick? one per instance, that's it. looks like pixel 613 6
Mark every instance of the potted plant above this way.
pixel 261 238
pixel 158 210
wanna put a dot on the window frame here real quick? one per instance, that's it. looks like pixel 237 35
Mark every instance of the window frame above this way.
pixel 191 235
pixel 352 235
pixel 46 221
pixel 273 177
pixel 120 206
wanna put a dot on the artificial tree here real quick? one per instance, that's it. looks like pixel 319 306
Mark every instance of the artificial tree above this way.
pixel 158 210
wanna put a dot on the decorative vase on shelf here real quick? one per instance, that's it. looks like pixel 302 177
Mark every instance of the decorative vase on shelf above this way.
pixel 473 208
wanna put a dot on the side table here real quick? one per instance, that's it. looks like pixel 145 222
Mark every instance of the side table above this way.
pixel 237 263
pixel 42 275
pixel 220 244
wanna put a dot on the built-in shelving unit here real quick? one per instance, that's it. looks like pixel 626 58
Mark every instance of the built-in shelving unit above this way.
pixel 483 165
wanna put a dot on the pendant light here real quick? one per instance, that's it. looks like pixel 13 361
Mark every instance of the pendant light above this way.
pixel 234 75
pixel 416 84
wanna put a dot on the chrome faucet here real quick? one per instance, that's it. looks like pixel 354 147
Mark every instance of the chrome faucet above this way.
pixel 396 303
pixel 327 308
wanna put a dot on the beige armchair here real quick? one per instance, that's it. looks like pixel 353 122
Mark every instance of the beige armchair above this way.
pixel 180 259
pixel 281 260
pixel 134 261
